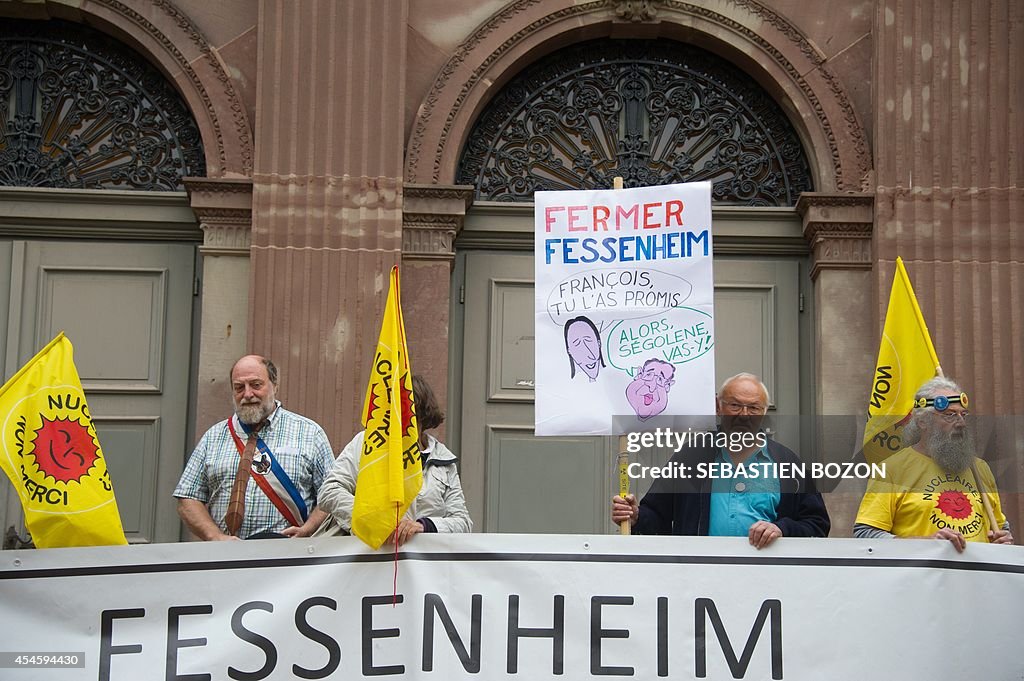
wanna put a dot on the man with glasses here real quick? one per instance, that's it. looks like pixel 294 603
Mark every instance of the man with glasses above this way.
pixel 761 508
pixel 933 488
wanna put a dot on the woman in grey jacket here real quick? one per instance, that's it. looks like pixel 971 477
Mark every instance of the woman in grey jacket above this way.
pixel 440 505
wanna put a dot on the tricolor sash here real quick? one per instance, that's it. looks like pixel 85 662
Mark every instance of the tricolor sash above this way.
pixel 272 479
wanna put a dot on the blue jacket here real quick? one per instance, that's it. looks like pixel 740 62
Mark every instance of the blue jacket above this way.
pixel 683 506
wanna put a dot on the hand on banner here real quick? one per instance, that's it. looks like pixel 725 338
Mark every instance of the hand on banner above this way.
pixel 762 533
pixel 200 523
pixel 954 537
pixel 625 508
pixel 1000 537
pixel 405 531
pixel 306 529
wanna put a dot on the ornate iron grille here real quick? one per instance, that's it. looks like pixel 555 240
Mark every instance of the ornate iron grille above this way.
pixel 79 110
pixel 654 112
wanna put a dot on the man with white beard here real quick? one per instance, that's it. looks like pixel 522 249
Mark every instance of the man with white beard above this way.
pixel 257 473
pixel 931 487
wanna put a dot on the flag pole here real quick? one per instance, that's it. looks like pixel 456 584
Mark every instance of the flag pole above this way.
pixel 990 514
pixel 623 459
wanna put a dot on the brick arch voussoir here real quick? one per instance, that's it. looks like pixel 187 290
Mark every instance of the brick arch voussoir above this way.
pixel 798 74
pixel 169 38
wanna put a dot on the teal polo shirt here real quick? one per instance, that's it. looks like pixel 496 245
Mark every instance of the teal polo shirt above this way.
pixel 739 502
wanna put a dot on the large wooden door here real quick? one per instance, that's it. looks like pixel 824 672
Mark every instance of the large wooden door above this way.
pixel 127 308
pixel 517 482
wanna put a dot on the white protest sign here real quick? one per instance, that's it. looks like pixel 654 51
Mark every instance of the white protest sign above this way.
pixel 624 308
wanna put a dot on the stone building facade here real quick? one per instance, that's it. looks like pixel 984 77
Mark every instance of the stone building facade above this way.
pixel 333 134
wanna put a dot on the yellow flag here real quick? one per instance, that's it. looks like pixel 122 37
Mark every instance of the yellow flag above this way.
pixel 52 455
pixel 390 472
pixel 906 359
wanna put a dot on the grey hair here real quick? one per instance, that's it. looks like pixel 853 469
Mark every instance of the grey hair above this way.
pixel 936 385
pixel 745 376
pixel 930 388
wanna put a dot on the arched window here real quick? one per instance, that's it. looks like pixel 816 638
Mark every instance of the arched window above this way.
pixel 654 112
pixel 80 110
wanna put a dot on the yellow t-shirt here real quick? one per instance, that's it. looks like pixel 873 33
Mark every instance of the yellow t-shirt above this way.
pixel 916 498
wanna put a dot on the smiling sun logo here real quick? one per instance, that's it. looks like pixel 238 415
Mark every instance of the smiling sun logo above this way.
pixel 64 450
pixel 954 504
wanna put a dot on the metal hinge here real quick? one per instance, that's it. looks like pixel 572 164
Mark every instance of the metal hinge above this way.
pixel 801 302
pixel 462 294
pixel 196 285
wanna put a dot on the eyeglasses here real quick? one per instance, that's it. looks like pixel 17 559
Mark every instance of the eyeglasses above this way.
pixel 953 416
pixel 740 408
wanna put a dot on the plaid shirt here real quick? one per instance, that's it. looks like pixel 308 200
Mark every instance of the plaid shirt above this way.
pixel 299 444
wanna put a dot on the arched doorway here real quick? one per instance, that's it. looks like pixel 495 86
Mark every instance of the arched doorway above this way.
pixel 650 111
pixel 99 241
pixel 654 112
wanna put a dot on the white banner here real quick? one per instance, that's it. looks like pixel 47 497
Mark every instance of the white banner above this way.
pixel 515 606
pixel 624 316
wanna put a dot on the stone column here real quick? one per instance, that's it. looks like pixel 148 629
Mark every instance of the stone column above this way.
pixel 327 197
pixel 948 151
pixel 838 228
pixel 224 211
pixel 432 217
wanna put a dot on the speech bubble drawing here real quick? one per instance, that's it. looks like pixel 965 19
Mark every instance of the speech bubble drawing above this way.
pixel 677 336
pixel 618 293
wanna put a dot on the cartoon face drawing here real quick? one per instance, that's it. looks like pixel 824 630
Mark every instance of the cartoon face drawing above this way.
pixel 648 393
pixel 583 345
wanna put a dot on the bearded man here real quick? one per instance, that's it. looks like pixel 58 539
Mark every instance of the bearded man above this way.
pixel 257 473
pixel 931 488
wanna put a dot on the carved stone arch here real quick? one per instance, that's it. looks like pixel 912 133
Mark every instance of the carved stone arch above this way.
pixel 158 29
pixel 756 39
